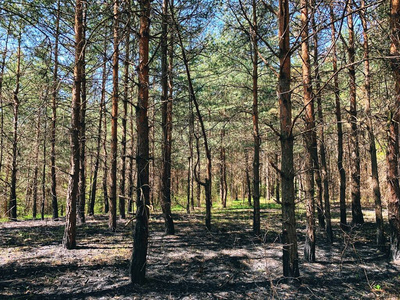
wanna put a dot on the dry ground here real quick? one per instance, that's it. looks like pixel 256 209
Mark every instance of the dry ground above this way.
pixel 226 263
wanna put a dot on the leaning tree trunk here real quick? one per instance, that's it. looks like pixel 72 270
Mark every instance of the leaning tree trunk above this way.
pixel 393 135
pixel 141 234
pixel 208 180
pixel 342 172
pixel 310 140
pixel 16 103
pixel 112 221
pixel 166 125
pixel 357 216
pixel 289 239
pixel 380 238
pixel 69 240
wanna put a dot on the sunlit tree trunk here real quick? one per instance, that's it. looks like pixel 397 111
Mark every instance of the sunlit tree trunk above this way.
pixel 166 102
pixel 16 104
pixel 112 221
pixel 256 134
pixel 380 239
pixel 141 234
pixel 338 112
pixel 82 131
pixel 69 240
pixel 357 216
pixel 289 239
pixel 99 130
pixel 310 140
pixel 393 136
pixel 125 116
pixel 54 118
pixel 322 152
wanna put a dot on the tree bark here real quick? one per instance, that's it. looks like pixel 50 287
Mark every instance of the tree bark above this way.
pixel 99 130
pixel 54 201
pixel 289 239
pixel 380 238
pixel 35 182
pixel 69 240
pixel 82 130
pixel 323 166
pixel 166 100
pixel 256 133
pixel 357 216
pixel 393 136
pixel 141 234
pixel 125 117
pixel 112 220
pixel 338 112
pixel 309 136
pixel 16 103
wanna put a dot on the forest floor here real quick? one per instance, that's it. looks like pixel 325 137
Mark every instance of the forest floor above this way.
pixel 227 262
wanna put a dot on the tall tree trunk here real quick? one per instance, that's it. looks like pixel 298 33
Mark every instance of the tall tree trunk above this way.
pixel 16 103
pixel 99 130
pixel 223 185
pixel 289 239
pixel 69 240
pixel 393 135
pixel 35 183
pixel 166 124
pixel 357 216
pixel 380 238
pixel 141 234
pixel 125 116
pixel 3 65
pixel 82 131
pixel 44 175
pixel 256 133
pixel 112 221
pixel 310 140
pixel 54 202
pixel 248 183
pixel 338 112
pixel 323 166
pixel 131 164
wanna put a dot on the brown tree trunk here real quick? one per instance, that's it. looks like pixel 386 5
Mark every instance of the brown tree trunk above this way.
pixel 35 182
pixel 125 117
pixel 289 239
pixel 82 131
pixel 166 100
pixel 141 234
pixel 112 221
pixel 323 166
pixel 16 103
pixel 342 172
pixel 256 134
pixel 310 140
pixel 380 238
pixel 54 118
pixel 248 182
pixel 393 135
pixel 69 240
pixel 223 185
pixel 98 147
pixel 357 216
pixel 44 175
